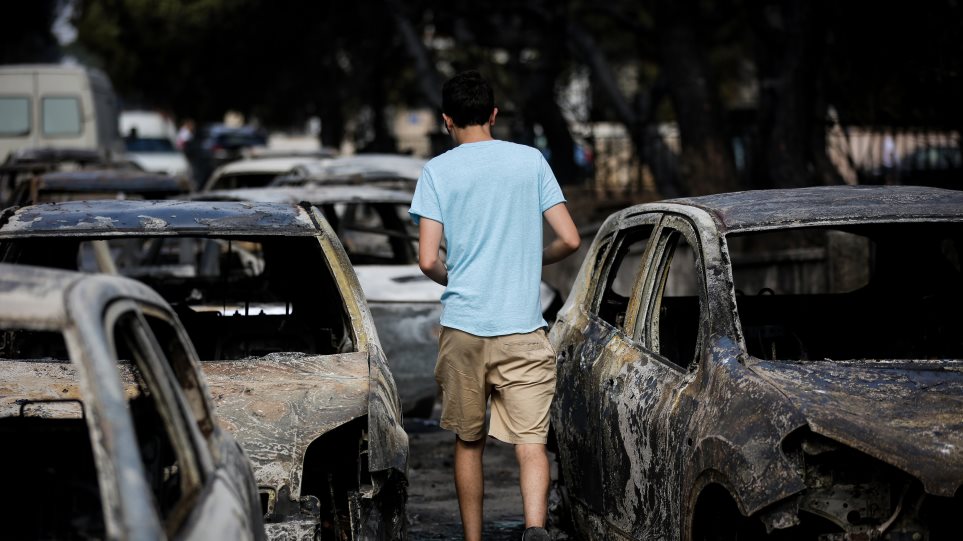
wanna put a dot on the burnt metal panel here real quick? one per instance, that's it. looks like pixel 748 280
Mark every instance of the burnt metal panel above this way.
pixel 278 404
pixel 763 209
pixel 111 180
pixel 157 217
pixel 921 403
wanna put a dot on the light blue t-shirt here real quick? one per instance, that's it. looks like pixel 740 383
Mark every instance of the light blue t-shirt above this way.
pixel 490 196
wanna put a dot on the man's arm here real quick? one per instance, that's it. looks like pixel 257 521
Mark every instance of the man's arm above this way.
pixel 429 248
pixel 567 240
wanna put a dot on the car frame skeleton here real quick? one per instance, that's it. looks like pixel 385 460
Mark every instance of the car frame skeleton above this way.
pixel 321 424
pixel 405 304
pixel 706 435
pixel 124 447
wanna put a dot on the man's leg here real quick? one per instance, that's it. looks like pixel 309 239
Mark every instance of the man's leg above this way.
pixel 534 477
pixel 470 485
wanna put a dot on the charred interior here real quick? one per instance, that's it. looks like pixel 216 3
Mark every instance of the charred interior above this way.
pixel 52 458
pixel 237 297
pixel 886 291
pixel 51 479
pixel 336 477
pixel 374 233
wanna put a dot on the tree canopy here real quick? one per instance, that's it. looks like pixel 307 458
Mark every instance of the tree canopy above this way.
pixel 766 72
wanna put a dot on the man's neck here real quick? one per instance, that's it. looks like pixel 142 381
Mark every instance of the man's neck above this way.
pixel 472 134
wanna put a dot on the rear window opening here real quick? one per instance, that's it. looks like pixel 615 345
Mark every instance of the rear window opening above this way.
pixel 374 233
pixel 237 297
pixel 881 291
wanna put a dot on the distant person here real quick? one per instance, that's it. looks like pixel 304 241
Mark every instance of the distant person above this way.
pixel 890 159
pixel 488 198
pixel 185 134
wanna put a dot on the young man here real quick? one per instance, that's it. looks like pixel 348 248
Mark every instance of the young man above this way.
pixel 487 198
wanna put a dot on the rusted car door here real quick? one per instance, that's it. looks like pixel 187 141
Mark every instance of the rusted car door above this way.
pixel 645 400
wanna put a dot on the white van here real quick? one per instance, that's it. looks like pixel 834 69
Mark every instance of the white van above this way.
pixel 56 106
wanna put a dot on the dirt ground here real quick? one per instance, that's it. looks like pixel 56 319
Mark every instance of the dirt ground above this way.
pixel 432 502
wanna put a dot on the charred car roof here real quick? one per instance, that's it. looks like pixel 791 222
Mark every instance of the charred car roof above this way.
pixel 769 209
pixel 112 180
pixel 315 194
pixel 33 296
pixel 156 218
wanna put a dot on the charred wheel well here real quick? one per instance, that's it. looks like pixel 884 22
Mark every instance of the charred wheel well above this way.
pixel 335 472
pixel 716 516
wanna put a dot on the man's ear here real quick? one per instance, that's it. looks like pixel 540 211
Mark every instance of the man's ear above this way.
pixel 447 121
pixel 491 119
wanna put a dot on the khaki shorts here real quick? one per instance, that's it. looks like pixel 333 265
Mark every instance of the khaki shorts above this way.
pixel 517 371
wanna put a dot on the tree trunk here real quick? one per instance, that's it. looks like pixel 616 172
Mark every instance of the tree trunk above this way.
pixel 541 107
pixel 636 122
pixel 792 110
pixel 707 165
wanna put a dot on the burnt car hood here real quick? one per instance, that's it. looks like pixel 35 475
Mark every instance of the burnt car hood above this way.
pixel 278 404
pixel 406 283
pixel 909 415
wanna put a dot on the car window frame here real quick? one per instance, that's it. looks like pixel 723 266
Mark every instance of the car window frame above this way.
pixel 195 367
pixel 606 255
pixel 181 430
pixel 651 289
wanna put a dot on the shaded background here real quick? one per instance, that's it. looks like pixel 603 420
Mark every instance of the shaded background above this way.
pixel 629 100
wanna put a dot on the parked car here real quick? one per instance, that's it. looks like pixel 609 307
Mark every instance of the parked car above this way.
pixel 288 345
pixel 149 141
pixel 381 243
pixel 225 143
pixel 91 184
pixel 782 364
pixel 253 173
pixel 105 417
pixel 53 105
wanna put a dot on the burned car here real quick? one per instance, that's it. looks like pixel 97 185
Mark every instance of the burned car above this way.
pixel 277 317
pixel 253 172
pixel 107 426
pixel 363 168
pixel 97 184
pixel 782 364
pixel 26 163
pixel 381 242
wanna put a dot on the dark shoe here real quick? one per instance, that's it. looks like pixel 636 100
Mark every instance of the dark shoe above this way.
pixel 536 534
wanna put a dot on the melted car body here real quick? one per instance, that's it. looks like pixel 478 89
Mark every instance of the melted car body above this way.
pixel 109 432
pixel 372 222
pixel 274 309
pixel 780 363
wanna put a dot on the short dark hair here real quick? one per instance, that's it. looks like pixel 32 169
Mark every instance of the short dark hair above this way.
pixel 467 99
